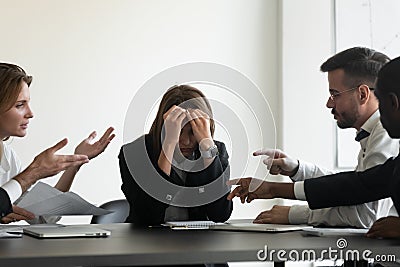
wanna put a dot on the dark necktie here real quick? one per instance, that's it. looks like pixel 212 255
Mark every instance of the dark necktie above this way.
pixel 361 135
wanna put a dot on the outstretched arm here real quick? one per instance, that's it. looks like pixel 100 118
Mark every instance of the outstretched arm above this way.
pixel 351 188
pixel 261 189
pixel 47 164
pixel 278 162
pixel 91 150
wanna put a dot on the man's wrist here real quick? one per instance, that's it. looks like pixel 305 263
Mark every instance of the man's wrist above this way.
pixel 282 190
pixel 295 170
pixel 27 178
pixel 23 183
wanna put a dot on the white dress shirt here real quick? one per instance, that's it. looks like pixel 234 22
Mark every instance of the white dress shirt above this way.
pixel 10 166
pixel 375 149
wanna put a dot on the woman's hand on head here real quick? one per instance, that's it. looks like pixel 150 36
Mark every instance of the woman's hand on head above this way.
pixel 92 150
pixel 173 124
pixel 200 123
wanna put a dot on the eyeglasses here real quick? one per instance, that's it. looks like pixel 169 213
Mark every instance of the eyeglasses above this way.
pixel 334 95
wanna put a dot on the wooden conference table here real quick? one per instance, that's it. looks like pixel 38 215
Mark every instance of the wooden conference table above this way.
pixel 159 246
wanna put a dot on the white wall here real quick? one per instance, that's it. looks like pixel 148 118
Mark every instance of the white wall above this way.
pixel 88 59
pixel 307 41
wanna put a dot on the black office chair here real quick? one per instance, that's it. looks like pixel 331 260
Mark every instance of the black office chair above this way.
pixel 121 211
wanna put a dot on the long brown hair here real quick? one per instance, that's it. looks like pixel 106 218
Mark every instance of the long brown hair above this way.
pixel 11 77
pixel 176 95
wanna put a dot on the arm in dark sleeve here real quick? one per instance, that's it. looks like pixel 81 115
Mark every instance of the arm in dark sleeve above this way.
pixel 351 188
pixel 5 203
pixel 144 209
pixel 219 210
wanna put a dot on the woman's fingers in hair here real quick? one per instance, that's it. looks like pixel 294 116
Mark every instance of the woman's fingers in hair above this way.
pixel 174 112
pixel 196 114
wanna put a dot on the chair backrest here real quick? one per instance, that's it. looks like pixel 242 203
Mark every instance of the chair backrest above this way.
pixel 120 208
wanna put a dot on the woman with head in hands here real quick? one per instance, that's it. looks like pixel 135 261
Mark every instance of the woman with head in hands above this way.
pixel 181 150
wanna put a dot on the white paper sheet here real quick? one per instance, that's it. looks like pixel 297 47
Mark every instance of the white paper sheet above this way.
pixel 44 199
pixel 10 231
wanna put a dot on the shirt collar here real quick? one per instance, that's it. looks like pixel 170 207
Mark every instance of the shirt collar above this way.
pixel 369 125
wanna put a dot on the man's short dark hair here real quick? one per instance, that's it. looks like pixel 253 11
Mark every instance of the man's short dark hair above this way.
pixel 360 65
pixel 389 77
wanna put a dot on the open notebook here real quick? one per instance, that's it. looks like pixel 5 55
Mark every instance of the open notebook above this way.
pixel 248 225
pixel 64 231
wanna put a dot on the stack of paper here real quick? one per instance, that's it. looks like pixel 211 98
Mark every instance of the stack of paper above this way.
pixel 43 200
pixel 321 231
pixel 249 226
pixel 10 231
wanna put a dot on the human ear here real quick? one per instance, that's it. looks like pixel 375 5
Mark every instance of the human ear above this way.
pixel 364 93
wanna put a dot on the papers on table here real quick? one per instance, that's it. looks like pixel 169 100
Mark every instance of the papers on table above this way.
pixel 335 231
pixel 249 226
pixel 10 231
pixel 44 199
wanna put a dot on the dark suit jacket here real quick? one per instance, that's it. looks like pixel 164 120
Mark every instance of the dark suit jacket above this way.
pixel 352 188
pixel 146 210
pixel 5 203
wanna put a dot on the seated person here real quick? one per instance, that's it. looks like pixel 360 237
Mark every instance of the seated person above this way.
pixel 352 77
pixel 179 149
pixel 15 113
pixel 349 188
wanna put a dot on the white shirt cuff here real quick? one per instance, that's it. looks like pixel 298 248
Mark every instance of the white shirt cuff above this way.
pixel 298 214
pixel 13 189
pixel 299 190
pixel 299 175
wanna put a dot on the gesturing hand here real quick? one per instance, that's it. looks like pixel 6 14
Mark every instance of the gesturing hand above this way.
pixel 48 163
pixel 278 162
pixel 93 150
pixel 262 190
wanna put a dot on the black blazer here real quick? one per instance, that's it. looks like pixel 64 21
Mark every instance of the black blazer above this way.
pixel 146 210
pixel 5 203
pixel 352 188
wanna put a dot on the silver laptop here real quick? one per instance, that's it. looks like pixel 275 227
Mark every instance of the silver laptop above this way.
pixel 248 225
pixel 64 231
